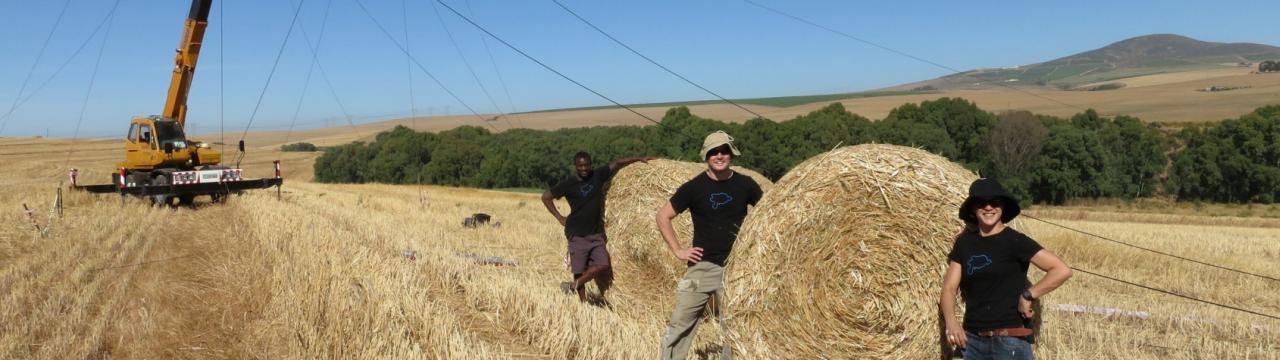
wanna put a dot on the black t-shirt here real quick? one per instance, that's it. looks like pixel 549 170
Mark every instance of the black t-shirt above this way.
pixel 586 201
pixel 993 276
pixel 718 208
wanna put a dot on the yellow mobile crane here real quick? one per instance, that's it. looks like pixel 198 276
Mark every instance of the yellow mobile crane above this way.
pixel 160 162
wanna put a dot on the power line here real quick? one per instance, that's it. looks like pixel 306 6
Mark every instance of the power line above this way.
pixel 314 50
pixel 904 54
pixel 1176 294
pixel 222 71
pixel 93 77
pixel 306 82
pixel 466 63
pixel 40 54
pixel 272 73
pixel 1152 250
pixel 496 70
pixel 553 70
pixel 419 64
pixel 651 61
pixel 4 120
pixel 413 105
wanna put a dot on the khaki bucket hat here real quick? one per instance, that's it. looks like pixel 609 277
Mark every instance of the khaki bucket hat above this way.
pixel 715 140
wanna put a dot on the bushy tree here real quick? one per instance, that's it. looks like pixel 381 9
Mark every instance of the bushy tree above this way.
pixel 1012 147
pixel 1237 160
pixel 1137 156
pixel 910 125
pixel 344 163
pixel 680 135
pixel 1039 158
pixel 1071 164
pixel 525 158
pixel 300 146
pixel 400 157
pixel 455 163
pixel 773 148
pixel 950 127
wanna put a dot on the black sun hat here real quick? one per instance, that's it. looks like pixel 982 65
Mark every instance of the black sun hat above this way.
pixel 986 189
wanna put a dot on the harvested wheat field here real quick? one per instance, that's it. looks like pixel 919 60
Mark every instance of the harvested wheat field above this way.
pixel 382 271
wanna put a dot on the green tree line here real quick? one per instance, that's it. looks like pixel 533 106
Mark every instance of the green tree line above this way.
pixel 301 146
pixel 1043 158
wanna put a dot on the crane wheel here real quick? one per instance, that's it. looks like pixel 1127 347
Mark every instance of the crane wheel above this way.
pixel 165 199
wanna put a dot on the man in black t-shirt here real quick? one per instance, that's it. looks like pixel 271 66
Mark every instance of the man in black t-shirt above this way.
pixel 584 227
pixel 717 200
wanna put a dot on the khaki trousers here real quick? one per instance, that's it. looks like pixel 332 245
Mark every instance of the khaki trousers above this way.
pixel 701 281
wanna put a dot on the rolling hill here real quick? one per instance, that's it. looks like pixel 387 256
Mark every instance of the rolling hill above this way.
pixel 1154 77
pixel 1138 56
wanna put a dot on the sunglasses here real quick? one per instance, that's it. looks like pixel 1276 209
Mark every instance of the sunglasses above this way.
pixel 994 202
pixel 720 150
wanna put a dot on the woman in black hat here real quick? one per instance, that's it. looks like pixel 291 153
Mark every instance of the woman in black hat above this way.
pixel 988 264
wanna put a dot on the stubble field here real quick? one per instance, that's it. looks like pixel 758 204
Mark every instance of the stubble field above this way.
pixel 322 272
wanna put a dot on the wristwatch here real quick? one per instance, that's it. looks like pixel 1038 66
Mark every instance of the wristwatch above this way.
pixel 1026 294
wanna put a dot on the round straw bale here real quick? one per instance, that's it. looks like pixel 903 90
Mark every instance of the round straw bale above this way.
pixel 844 256
pixel 644 269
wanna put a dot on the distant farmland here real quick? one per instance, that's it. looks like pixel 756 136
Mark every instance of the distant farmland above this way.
pixel 777 101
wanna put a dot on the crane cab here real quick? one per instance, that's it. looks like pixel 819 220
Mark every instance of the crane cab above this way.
pixel 154 142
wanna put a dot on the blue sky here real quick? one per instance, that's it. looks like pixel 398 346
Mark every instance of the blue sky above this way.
pixel 729 46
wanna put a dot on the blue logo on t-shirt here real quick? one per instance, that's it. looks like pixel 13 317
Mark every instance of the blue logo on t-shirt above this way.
pixel 720 199
pixel 586 189
pixel 977 262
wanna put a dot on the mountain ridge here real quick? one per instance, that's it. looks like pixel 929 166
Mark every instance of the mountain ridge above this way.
pixel 1136 56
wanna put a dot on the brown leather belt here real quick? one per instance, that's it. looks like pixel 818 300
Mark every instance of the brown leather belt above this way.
pixel 1015 332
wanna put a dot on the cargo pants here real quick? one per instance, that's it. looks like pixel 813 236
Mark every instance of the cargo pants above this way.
pixel 701 281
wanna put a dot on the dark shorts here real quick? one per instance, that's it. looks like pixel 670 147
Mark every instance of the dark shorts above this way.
pixel 587 251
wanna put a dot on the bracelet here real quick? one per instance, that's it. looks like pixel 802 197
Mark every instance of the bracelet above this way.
pixel 1026 294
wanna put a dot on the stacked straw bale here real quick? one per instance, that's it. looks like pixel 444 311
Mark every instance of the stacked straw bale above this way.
pixel 845 255
pixel 645 271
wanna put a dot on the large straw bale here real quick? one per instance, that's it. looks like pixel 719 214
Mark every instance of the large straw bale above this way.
pixel 843 257
pixel 645 271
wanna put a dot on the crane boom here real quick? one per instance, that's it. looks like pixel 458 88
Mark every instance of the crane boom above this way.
pixel 184 69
